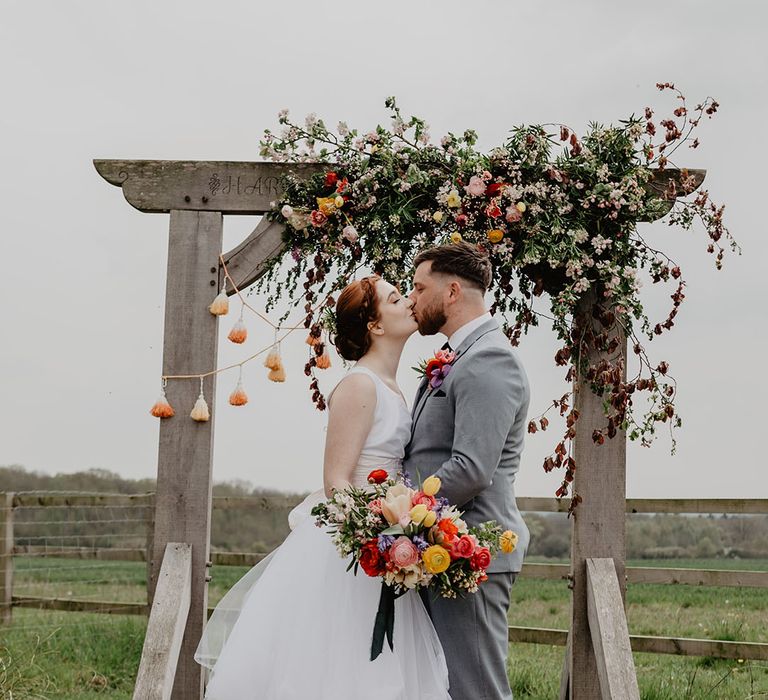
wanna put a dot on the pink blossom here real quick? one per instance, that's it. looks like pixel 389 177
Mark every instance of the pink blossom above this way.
pixel 403 552
pixel 350 233
pixel 375 506
pixel 476 186
pixel 513 214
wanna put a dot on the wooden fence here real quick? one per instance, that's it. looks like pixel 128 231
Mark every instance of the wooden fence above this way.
pixel 9 502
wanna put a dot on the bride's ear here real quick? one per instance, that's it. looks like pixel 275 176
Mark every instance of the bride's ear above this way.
pixel 375 328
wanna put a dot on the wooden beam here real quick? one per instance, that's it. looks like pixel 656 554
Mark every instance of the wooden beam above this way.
pixel 183 499
pixel 74 605
pixel 6 557
pixel 598 524
pixel 165 629
pixel 659 185
pixel 248 261
pixel 679 646
pixel 609 632
pixel 227 187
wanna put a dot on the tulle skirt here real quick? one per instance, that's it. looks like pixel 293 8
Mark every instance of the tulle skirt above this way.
pixel 299 625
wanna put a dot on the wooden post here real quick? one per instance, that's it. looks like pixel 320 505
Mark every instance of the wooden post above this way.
pixel 183 495
pixel 167 618
pixel 149 547
pixel 610 635
pixel 598 527
pixel 6 557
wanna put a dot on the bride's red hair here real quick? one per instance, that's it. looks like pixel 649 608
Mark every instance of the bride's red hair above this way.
pixel 356 307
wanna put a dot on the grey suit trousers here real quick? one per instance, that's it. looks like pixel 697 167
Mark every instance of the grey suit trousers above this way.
pixel 474 632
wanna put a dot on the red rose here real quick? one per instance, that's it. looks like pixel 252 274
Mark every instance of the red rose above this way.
pixel 377 476
pixel 432 365
pixel 421 497
pixel 371 560
pixel 463 548
pixel 461 219
pixel 493 189
pixel 480 560
pixel 317 218
pixel 331 178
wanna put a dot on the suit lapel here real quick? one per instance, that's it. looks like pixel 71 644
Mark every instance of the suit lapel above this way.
pixel 425 390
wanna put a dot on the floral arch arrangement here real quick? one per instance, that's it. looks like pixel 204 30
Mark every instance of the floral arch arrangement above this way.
pixel 565 225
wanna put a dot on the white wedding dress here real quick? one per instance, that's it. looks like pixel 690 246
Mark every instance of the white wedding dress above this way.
pixel 298 625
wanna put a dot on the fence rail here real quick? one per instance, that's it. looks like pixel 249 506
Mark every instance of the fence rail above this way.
pixel 531 635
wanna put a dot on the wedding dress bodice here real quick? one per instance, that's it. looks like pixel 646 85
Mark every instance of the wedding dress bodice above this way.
pixel 391 430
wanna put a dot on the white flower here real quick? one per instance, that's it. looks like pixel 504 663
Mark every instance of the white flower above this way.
pixel 343 129
pixel 310 121
pixel 287 211
pixel 350 233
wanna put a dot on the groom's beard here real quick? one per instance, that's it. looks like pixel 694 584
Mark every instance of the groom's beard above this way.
pixel 431 320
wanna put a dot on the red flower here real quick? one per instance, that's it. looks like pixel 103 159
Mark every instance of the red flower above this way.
pixel 341 185
pixel 493 189
pixel 480 560
pixel 371 560
pixel 463 548
pixel 493 210
pixel 377 476
pixel 317 218
pixel 331 178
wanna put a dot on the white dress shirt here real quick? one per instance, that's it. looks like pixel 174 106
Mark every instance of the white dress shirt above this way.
pixel 460 335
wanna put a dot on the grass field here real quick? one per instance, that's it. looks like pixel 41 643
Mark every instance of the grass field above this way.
pixel 77 656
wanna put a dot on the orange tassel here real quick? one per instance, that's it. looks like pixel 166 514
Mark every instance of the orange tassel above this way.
pixel 220 305
pixel 277 374
pixel 238 397
pixel 273 360
pixel 162 409
pixel 239 332
pixel 312 340
pixel 324 361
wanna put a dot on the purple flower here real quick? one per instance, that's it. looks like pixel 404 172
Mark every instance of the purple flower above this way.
pixel 420 542
pixel 438 375
pixel 385 542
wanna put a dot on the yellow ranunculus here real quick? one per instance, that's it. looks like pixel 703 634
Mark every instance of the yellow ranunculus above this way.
pixel 456 237
pixel 508 541
pixel 418 513
pixel 438 216
pixel 431 485
pixel 430 520
pixel 495 235
pixel 520 206
pixel 453 200
pixel 436 559
pixel 339 201
pixel 326 205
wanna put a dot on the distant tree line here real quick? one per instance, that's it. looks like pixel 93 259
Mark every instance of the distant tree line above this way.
pixel 260 530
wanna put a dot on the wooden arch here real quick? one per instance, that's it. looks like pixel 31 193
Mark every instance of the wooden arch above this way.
pixel 197 194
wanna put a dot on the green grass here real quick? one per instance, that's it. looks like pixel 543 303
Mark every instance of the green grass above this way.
pixel 79 656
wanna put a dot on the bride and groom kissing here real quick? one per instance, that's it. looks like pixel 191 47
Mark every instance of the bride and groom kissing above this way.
pixel 298 624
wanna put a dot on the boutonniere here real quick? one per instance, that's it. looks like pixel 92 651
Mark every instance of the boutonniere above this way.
pixel 436 368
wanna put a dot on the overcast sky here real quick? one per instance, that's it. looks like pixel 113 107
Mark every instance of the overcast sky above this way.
pixel 83 277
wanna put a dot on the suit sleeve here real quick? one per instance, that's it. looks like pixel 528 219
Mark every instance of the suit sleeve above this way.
pixel 489 391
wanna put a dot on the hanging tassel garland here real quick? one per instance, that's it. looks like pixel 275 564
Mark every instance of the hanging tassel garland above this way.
pixel 239 332
pixel 200 412
pixel 324 361
pixel 220 305
pixel 162 409
pixel 238 397
pixel 278 374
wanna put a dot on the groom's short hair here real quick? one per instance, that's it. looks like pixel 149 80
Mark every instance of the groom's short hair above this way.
pixel 460 259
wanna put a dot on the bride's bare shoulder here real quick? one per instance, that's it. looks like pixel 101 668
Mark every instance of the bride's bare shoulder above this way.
pixel 356 391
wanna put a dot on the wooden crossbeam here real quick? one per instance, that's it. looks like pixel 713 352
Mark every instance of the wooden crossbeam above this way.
pixel 165 629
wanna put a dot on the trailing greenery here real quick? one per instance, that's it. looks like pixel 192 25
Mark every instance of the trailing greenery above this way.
pixel 563 223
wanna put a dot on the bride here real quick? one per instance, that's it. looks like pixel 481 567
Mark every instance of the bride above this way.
pixel 299 625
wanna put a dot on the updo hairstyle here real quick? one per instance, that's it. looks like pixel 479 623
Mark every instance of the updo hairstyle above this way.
pixel 356 307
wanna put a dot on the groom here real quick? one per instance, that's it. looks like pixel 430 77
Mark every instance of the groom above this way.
pixel 470 432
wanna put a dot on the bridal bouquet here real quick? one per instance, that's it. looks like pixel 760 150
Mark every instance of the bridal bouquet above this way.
pixel 409 538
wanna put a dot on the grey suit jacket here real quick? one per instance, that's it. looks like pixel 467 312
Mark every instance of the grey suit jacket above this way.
pixel 470 433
